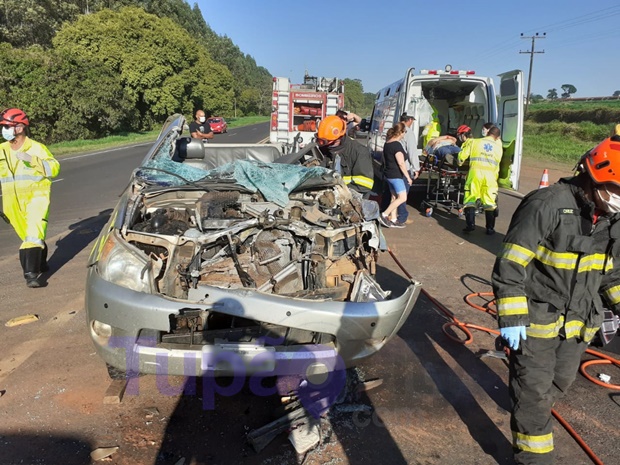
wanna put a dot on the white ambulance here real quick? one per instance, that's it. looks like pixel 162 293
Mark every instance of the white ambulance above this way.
pixel 457 97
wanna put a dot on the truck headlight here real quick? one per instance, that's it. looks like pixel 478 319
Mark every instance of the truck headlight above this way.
pixel 120 264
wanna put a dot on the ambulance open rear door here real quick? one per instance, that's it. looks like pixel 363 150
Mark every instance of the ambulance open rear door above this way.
pixel 510 121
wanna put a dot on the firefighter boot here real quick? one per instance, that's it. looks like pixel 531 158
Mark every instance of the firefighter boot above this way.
pixel 31 264
pixel 44 266
pixel 470 220
pixel 489 216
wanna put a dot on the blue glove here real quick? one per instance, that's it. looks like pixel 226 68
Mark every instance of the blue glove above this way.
pixel 512 335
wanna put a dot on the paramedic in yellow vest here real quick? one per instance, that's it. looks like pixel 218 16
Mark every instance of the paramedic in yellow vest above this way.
pixel 432 129
pixel 26 169
pixel 484 157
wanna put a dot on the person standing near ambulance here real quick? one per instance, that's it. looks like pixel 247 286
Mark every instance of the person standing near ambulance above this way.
pixel 560 259
pixel 26 170
pixel 484 156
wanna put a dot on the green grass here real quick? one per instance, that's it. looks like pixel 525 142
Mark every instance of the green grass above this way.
pixel 579 105
pixel 554 147
pixel 562 142
pixel 130 138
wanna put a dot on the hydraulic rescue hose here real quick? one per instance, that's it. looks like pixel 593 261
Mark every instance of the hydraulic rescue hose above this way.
pixel 464 327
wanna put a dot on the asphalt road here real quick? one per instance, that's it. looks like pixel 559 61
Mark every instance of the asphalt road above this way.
pixel 440 402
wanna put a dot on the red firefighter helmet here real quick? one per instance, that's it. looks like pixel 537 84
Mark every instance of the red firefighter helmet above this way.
pixel 13 117
pixel 463 129
pixel 602 163
pixel 332 128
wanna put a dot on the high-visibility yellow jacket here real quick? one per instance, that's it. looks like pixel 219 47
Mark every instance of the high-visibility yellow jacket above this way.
pixel 431 130
pixel 556 263
pixel 26 189
pixel 484 156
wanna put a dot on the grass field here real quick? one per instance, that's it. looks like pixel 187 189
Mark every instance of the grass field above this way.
pixel 576 105
pixel 562 141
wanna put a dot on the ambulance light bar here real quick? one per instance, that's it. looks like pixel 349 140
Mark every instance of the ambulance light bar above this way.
pixel 439 72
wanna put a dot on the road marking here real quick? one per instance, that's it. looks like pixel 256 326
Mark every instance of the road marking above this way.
pixel 76 157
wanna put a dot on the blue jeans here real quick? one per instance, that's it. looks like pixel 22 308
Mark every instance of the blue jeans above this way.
pixel 401 211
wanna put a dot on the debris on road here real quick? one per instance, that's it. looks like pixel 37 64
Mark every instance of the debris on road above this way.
pixel 21 320
pixel 261 437
pixel 150 412
pixel 493 354
pixel 115 392
pixel 306 436
pixel 604 378
pixel 366 386
pixel 103 452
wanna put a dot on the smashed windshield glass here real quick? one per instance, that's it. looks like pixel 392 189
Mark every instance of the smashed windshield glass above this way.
pixel 273 180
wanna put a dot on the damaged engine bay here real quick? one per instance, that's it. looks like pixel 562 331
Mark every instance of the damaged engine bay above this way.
pixel 316 247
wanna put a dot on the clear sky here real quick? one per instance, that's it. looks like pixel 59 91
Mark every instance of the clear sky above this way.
pixel 376 42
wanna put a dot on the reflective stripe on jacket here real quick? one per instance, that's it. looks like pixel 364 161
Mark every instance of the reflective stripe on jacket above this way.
pixel 484 156
pixel 26 189
pixel 356 165
pixel 555 264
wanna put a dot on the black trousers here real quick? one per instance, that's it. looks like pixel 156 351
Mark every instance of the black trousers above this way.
pixel 541 371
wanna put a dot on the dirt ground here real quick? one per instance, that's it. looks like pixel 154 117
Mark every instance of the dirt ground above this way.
pixel 439 403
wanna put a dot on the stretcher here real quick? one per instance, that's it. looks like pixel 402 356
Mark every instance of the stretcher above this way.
pixel 445 185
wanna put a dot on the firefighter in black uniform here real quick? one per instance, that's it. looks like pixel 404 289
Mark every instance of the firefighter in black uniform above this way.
pixel 345 155
pixel 560 258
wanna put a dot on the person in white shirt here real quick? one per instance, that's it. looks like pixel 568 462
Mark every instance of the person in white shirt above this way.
pixel 409 144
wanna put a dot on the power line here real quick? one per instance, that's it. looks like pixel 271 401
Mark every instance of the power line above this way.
pixel 531 52
pixel 583 19
pixel 598 15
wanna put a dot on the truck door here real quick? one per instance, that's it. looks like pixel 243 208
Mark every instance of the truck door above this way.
pixel 510 121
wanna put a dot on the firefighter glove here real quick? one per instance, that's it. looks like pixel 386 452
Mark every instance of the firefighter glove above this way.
pixel 512 335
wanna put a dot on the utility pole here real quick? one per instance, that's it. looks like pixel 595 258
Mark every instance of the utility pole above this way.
pixel 531 52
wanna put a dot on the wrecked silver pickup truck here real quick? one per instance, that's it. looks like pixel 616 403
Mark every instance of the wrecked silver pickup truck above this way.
pixel 219 249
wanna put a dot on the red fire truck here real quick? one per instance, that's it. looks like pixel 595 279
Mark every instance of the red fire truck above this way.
pixel 297 109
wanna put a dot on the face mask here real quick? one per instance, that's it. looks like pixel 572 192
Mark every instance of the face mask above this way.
pixel 613 204
pixel 485 131
pixel 8 134
pixel 202 119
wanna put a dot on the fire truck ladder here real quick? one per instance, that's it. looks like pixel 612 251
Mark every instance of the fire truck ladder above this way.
pixel 282 104
pixel 331 105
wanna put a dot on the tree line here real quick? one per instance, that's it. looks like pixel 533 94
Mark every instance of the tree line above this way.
pixel 89 68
